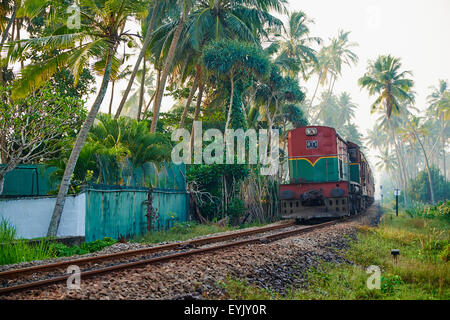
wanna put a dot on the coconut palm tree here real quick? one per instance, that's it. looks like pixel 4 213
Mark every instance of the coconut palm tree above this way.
pixel 210 21
pixel 377 138
pixel 339 53
pixel 7 7
pixel 213 20
pixel 156 9
pixel 385 80
pixel 133 104
pixel 386 162
pixel 327 110
pixel 417 129
pixel 346 108
pixel 439 101
pixel 331 58
pixel 296 54
pixel 100 33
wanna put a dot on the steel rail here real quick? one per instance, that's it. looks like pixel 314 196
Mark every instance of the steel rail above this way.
pixel 160 248
pixel 168 257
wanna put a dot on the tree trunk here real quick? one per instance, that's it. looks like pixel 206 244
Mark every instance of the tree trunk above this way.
pixel 3 154
pixel 330 90
pixel 426 160
pixel 189 100
pixel 231 100
pixel 13 30
pixel 19 26
pixel 8 26
pixel 141 96
pixel 445 166
pixel 5 36
pixel 2 182
pixel 315 91
pixel 165 71
pixel 400 163
pixel 443 150
pixel 112 98
pixel 196 114
pixel 147 39
pixel 150 102
pixel 70 167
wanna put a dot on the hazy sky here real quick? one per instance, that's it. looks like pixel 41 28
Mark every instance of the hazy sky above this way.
pixel 417 31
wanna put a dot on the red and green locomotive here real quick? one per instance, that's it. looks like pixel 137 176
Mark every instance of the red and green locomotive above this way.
pixel 329 177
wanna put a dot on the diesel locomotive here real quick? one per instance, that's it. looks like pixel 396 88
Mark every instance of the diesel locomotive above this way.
pixel 329 176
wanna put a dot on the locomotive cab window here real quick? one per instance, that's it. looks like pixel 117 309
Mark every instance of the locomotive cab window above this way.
pixel 311 144
pixel 352 154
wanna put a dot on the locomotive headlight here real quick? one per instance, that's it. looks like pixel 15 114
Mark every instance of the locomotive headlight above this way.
pixel 311 131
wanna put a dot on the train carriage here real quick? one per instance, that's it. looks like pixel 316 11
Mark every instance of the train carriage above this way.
pixel 329 177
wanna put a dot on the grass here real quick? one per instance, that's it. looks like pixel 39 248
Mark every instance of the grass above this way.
pixel 61 250
pixel 422 270
pixel 15 251
pixel 187 230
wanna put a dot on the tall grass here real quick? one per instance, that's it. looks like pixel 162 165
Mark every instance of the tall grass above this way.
pixel 7 231
pixel 14 250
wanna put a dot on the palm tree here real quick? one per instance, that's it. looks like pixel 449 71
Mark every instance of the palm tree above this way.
pixel 331 59
pixel 98 38
pixel 327 110
pixel 439 101
pixel 339 53
pixel 296 54
pixel 376 138
pixel 346 108
pixel 155 10
pixel 184 7
pixel 322 69
pixel 386 162
pixel 385 80
pixel 211 21
pixel 416 127
pixel 133 104
pixel 11 7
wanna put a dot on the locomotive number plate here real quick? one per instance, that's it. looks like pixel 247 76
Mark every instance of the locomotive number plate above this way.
pixel 311 144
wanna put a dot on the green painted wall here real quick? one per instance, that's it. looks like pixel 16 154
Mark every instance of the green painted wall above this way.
pixel 172 206
pixel 29 180
pixel 112 213
pixel 325 169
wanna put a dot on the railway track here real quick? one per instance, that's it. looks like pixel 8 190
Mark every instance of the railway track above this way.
pixel 42 275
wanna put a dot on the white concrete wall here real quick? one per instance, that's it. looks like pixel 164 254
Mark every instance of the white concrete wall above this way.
pixel 31 216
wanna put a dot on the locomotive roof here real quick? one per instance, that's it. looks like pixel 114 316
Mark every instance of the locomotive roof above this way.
pixel 337 133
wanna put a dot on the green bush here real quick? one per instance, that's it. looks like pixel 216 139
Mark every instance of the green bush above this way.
pixel 61 250
pixel 419 209
pixel 236 208
pixel 390 283
pixel 419 188
pixel 444 255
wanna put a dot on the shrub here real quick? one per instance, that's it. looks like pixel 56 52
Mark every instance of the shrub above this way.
pixel 61 250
